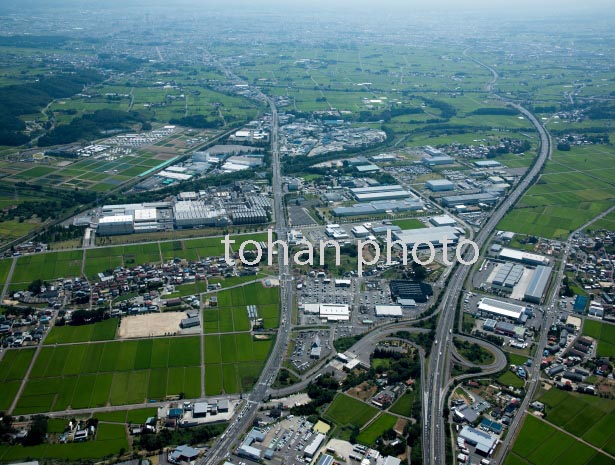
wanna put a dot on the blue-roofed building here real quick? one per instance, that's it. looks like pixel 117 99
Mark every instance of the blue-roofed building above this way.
pixel 325 459
pixel 580 303
pixel 175 413
pixel 492 426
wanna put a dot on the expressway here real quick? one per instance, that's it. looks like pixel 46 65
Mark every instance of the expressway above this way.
pixel 225 443
pixel 437 382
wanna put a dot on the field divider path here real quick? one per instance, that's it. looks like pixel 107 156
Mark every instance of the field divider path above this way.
pixel 26 377
pixel 9 278
pixel 202 340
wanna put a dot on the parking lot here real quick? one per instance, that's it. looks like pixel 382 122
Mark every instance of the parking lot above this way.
pixel 308 348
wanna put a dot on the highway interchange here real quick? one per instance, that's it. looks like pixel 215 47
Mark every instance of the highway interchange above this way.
pixel 436 380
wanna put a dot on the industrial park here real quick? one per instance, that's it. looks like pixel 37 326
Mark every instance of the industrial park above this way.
pixel 307 235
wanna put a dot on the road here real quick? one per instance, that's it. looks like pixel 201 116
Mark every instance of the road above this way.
pixel 434 440
pixel 261 390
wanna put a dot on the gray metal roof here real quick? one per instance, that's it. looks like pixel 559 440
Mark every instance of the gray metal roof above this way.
pixel 538 283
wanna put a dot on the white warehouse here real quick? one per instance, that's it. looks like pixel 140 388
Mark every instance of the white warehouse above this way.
pixel 112 225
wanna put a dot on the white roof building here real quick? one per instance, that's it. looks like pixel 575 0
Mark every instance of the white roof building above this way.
pixel 311 308
pixel 335 312
pixel 423 236
pixel 389 311
pixel 524 257
pixel 145 214
pixel 311 449
pixel 500 308
pixel 443 220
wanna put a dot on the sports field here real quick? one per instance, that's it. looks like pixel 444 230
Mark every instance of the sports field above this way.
pixel 376 428
pixel 539 443
pixel 605 335
pixel 348 411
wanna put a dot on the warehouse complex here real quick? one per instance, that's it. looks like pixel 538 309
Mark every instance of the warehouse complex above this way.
pixel 379 207
pixel 422 236
pixel 374 193
pixel 188 210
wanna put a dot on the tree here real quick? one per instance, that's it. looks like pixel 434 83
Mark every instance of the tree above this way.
pixel 35 286
pixel 37 431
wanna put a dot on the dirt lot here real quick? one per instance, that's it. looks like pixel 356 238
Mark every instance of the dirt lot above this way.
pixel 151 324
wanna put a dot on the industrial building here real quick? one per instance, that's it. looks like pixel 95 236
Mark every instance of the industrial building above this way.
pixel 438 160
pixel 523 257
pixel 326 459
pixel 443 220
pixel 440 185
pixel 417 291
pixel 368 194
pixel 507 275
pixel 487 164
pixel 423 236
pixel 538 284
pixel 484 442
pixel 377 208
pixel 113 225
pixel 192 214
pixel 389 311
pixel 199 409
pixel 508 329
pixel 247 449
pixel 311 449
pixel 369 168
pixel 498 308
pixel 469 199
pixel 241 213
pixel 190 322
pixel 360 231
pixel 335 231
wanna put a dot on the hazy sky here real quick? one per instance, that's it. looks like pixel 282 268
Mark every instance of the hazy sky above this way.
pixel 280 5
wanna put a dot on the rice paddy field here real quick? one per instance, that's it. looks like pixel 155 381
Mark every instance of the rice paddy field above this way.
pixel 539 443
pixel 13 368
pixel 231 314
pixel 590 418
pixel 112 373
pixel 97 175
pixel 110 440
pixel 102 331
pixel 68 264
pixel 605 335
pixel 575 187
